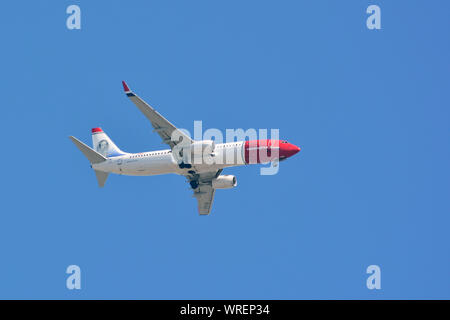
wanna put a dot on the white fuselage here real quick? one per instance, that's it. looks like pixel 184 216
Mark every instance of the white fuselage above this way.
pixel 163 162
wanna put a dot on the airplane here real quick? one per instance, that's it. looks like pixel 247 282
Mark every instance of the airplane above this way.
pixel 183 156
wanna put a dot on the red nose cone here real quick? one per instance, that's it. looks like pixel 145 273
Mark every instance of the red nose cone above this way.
pixel 288 150
pixel 266 150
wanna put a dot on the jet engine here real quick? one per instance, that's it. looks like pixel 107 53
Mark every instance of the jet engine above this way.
pixel 202 145
pixel 197 150
pixel 224 182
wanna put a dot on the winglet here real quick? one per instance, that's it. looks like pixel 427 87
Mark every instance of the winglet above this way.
pixel 127 90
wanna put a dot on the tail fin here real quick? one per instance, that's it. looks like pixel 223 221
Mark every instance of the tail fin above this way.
pixel 104 145
pixel 93 157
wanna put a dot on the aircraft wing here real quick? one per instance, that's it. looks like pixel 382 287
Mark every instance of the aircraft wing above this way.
pixel 160 124
pixel 204 192
pixel 205 197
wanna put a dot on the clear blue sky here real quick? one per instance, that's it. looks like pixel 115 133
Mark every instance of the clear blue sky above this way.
pixel 370 110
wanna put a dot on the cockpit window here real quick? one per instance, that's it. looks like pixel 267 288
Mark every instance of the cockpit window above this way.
pixel 284 141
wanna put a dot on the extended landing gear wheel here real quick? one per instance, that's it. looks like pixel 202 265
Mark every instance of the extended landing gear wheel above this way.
pixel 185 165
pixel 194 184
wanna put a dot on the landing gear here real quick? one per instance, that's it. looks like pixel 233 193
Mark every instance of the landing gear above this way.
pixel 194 184
pixel 183 165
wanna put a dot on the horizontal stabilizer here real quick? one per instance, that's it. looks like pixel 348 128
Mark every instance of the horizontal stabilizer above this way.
pixel 92 155
pixel 101 177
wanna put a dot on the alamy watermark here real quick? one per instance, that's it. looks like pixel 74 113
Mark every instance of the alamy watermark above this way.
pixel 73 281
pixel 374 280
pixel 74 20
pixel 238 147
pixel 373 22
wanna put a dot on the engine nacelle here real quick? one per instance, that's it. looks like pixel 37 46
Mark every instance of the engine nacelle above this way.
pixel 202 145
pixel 198 150
pixel 224 182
